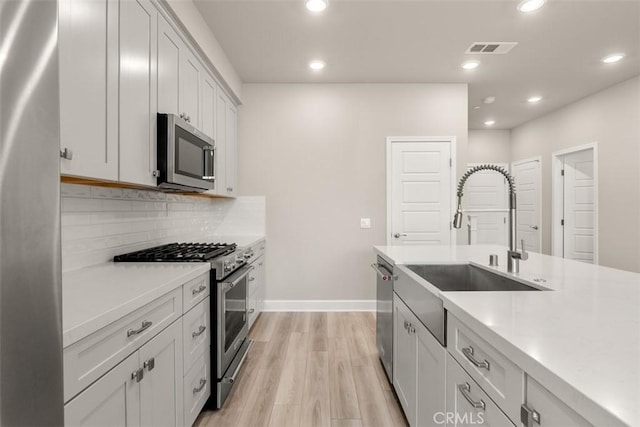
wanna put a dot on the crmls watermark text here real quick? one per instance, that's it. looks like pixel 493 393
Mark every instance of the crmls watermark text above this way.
pixel 467 418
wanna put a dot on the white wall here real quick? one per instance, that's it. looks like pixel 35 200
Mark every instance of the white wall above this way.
pixel 612 118
pixel 489 146
pixel 187 12
pixel 317 152
pixel 100 222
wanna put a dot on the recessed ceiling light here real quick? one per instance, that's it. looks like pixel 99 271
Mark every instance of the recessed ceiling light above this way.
pixel 477 107
pixel 615 57
pixel 470 65
pixel 316 5
pixel 489 122
pixel 534 99
pixel 317 65
pixel 489 100
pixel 527 6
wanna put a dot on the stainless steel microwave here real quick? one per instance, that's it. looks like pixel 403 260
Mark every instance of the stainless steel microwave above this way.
pixel 186 156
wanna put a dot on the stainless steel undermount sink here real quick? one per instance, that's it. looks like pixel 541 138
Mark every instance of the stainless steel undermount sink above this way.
pixel 466 277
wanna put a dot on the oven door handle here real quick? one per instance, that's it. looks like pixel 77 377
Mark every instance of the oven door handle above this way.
pixel 232 378
pixel 242 274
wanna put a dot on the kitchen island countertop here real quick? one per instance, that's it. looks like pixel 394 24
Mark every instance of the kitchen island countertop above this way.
pixel 580 339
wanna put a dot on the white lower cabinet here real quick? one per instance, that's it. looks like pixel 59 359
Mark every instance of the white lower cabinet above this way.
pixel 418 367
pixel 113 400
pixel 467 403
pixel 161 386
pixel 197 388
pixel 142 390
pixel 543 409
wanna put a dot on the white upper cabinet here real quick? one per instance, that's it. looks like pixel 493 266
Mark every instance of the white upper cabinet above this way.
pixel 208 106
pixel 169 48
pixel 232 150
pixel 190 73
pixel 88 40
pixel 138 100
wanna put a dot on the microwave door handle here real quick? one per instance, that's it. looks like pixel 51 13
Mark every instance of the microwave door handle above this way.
pixel 208 163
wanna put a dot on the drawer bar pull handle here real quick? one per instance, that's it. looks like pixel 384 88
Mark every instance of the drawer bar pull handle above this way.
pixel 145 325
pixel 199 290
pixel 465 389
pixel 201 330
pixel 198 389
pixel 468 353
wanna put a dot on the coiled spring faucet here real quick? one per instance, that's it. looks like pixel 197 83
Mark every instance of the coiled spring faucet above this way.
pixel 513 256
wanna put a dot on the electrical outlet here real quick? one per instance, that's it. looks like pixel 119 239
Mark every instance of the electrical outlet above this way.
pixel 365 222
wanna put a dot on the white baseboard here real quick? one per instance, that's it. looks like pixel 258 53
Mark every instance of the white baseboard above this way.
pixel 320 305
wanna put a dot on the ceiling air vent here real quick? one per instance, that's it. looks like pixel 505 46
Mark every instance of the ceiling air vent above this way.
pixel 491 48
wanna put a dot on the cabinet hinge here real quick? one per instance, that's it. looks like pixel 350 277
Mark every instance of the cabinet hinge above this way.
pixel 450 162
pixel 562 222
pixel 562 172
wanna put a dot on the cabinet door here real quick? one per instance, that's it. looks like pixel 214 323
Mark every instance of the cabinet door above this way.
pixel 551 410
pixel 88 50
pixel 262 281
pixel 169 47
pixel 113 400
pixel 431 364
pixel 190 71
pixel 222 106
pixel 138 95
pixel 208 106
pixel 161 402
pixel 404 359
pixel 467 403
pixel 232 150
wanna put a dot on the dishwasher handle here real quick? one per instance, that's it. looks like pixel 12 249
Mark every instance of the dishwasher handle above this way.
pixel 384 276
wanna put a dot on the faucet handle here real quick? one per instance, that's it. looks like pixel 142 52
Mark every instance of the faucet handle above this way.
pixel 525 254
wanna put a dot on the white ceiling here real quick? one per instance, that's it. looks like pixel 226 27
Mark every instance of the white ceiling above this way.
pixel 423 41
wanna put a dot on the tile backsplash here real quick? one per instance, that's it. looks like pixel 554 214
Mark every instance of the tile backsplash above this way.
pixel 100 222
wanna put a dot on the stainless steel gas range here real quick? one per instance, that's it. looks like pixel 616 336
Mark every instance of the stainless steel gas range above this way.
pixel 229 285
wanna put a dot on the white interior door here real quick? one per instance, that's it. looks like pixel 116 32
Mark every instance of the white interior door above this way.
pixel 529 225
pixel 486 206
pixel 579 206
pixel 420 193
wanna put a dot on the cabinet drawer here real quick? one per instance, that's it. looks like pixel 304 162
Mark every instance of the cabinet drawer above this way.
pixel 551 410
pixel 498 376
pixel 195 291
pixel 196 332
pixel 197 389
pixel 467 403
pixel 89 358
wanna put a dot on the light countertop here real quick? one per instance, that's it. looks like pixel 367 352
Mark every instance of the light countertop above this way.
pixel 94 297
pixel 581 339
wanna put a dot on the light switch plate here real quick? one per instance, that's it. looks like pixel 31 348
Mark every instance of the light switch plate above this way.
pixel 365 222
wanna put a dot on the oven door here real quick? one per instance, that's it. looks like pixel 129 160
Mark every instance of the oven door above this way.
pixel 190 155
pixel 232 317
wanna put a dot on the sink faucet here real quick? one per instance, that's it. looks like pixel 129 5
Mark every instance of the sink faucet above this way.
pixel 513 256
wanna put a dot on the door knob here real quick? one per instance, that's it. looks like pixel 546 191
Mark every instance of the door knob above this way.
pixel 535 227
pixel 398 235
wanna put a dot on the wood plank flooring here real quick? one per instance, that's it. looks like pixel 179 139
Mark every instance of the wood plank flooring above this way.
pixel 307 370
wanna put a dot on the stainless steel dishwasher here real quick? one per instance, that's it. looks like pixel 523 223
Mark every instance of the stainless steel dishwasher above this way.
pixel 384 314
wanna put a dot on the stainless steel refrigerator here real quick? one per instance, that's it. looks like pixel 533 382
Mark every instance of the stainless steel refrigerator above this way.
pixel 30 282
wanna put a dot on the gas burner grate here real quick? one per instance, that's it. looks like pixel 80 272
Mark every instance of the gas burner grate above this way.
pixel 178 252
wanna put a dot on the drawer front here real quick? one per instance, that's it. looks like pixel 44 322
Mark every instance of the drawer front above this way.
pixel 195 291
pixel 253 280
pixel 552 411
pixel 467 403
pixel 88 359
pixel 498 376
pixel 196 326
pixel 197 389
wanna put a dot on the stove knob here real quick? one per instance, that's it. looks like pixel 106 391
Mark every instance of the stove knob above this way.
pixel 239 258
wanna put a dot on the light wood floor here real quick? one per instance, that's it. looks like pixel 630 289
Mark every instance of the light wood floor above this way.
pixel 310 369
